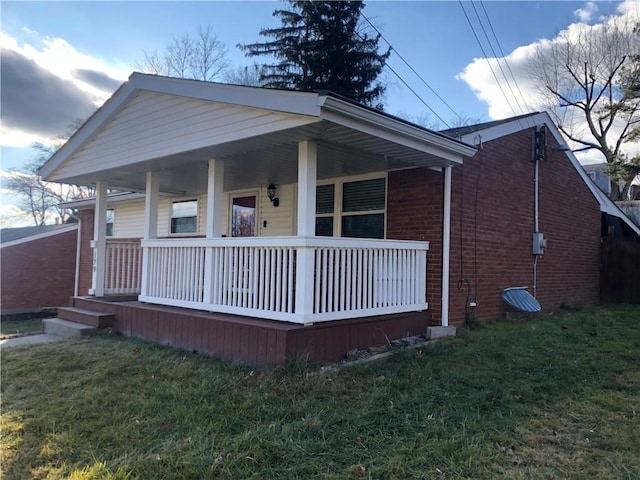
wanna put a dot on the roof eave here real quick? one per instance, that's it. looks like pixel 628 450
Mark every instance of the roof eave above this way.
pixel 302 103
pixel 368 121
pixel 100 117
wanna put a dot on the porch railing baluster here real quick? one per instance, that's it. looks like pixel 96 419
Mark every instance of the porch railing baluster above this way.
pixel 257 276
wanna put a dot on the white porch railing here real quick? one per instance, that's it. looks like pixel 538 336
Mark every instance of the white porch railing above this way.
pixel 123 267
pixel 294 279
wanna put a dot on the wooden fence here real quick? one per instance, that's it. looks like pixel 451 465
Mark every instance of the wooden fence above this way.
pixel 620 270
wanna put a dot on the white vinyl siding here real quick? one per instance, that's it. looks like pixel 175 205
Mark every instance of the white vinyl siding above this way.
pixel 280 220
pixel 129 218
pixel 155 125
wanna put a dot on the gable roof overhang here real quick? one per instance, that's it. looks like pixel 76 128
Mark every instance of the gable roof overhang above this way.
pixel 175 126
pixel 500 128
pixel 16 236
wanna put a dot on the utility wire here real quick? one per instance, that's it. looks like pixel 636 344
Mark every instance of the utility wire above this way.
pixel 495 55
pixel 487 58
pixel 415 72
pixel 504 58
pixel 418 96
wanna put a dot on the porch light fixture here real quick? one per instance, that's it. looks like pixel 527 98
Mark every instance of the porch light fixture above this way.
pixel 271 193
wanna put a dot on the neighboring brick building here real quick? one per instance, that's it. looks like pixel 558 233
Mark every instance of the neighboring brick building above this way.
pixel 38 267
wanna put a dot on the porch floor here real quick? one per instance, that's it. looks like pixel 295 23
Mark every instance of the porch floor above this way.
pixel 257 342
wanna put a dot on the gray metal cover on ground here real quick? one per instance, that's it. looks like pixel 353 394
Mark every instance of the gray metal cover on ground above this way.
pixel 520 299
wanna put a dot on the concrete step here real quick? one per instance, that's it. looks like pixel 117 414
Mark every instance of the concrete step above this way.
pixel 86 317
pixel 65 328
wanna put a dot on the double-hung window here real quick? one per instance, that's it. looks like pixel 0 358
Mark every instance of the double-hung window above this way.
pixel 325 200
pixel 110 219
pixel 351 208
pixel 184 217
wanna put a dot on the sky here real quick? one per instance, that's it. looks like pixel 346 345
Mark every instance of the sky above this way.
pixel 61 60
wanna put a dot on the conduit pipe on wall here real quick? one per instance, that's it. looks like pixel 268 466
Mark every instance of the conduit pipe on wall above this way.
pixel 78 249
pixel 539 145
pixel 446 243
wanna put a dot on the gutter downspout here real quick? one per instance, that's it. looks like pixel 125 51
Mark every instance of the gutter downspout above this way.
pixel 77 280
pixel 539 146
pixel 446 244
pixel 536 227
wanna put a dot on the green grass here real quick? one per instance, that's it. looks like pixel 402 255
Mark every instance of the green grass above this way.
pixel 20 328
pixel 556 397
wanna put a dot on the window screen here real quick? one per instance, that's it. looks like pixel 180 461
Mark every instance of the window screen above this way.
pixel 324 226
pixel 364 195
pixel 325 196
pixel 363 226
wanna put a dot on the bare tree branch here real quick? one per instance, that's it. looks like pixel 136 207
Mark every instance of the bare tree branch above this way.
pixel 589 71
pixel 199 57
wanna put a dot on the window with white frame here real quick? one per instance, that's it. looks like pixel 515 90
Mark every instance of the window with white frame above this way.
pixel 111 215
pixel 184 217
pixel 325 200
pixel 352 208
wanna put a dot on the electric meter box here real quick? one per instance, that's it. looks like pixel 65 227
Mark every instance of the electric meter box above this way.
pixel 539 242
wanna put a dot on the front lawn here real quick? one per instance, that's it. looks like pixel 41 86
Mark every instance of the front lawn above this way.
pixel 556 397
pixel 20 327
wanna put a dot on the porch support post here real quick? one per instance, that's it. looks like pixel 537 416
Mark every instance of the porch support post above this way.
pixel 151 206
pixel 215 199
pixel 215 212
pixel 446 243
pixel 307 176
pixel 99 240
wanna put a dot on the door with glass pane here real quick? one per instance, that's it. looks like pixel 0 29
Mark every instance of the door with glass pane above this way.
pixel 244 216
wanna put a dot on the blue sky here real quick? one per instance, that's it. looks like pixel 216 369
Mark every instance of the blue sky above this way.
pixel 56 55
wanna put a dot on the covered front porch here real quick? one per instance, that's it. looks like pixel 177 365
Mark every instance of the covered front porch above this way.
pixel 258 277
pixel 168 138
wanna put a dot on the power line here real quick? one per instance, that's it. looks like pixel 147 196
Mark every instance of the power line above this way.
pixel 415 72
pixel 495 55
pixel 486 57
pixel 504 58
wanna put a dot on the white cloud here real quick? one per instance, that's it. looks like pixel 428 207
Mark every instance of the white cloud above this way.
pixel 47 84
pixel 524 95
pixel 61 59
pixel 16 138
pixel 586 13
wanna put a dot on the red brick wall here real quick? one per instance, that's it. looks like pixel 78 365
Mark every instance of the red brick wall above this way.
pixel 414 212
pixel 39 273
pixel 492 222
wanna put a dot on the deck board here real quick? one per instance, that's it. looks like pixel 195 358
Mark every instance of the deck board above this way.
pixel 260 343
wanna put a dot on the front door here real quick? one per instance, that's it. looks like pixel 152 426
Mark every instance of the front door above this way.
pixel 244 216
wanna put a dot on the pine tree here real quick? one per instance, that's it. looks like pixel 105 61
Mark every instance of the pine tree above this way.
pixel 321 46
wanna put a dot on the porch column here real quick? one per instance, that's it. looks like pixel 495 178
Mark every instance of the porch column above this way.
pixel 151 205
pixel 215 212
pixel 446 242
pixel 99 243
pixel 307 176
pixel 215 199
